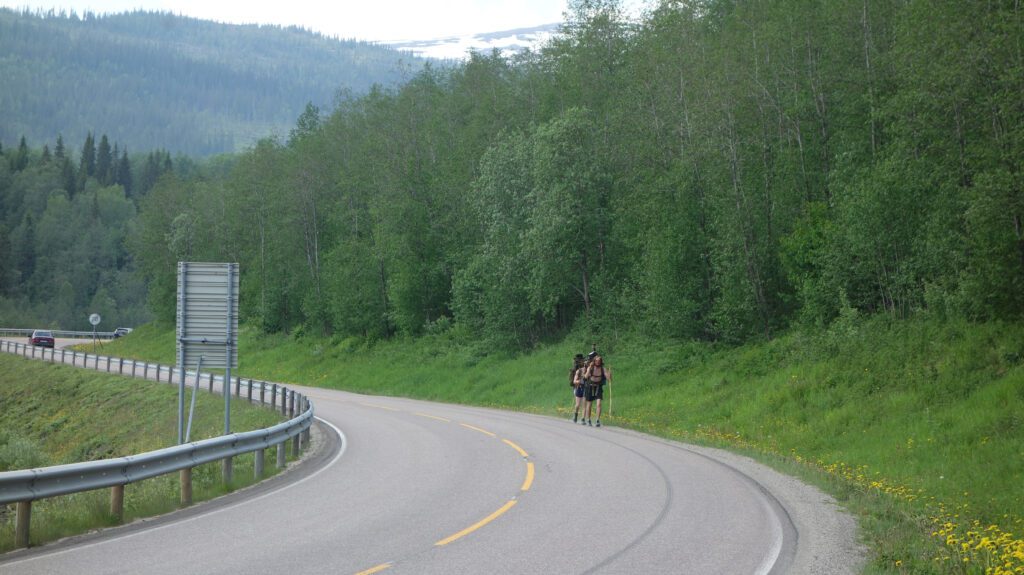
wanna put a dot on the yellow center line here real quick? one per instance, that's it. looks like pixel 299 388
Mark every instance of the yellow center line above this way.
pixel 484 431
pixel 379 406
pixel 376 569
pixel 529 476
pixel 517 448
pixel 434 417
pixel 477 525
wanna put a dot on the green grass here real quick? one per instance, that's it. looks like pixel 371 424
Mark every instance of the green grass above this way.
pixel 55 414
pixel 916 426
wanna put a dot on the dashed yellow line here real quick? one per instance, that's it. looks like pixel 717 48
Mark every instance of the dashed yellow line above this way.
pixel 477 525
pixel 527 483
pixel 379 407
pixel 434 417
pixel 376 569
pixel 484 431
pixel 517 448
pixel 529 477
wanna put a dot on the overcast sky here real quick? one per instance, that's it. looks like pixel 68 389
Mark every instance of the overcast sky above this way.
pixel 374 20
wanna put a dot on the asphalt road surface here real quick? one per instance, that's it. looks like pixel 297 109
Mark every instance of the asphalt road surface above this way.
pixel 398 486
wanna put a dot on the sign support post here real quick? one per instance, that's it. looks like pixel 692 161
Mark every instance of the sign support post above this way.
pixel 182 281
pixel 229 341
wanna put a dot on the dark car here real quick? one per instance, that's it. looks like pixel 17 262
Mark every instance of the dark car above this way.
pixel 41 337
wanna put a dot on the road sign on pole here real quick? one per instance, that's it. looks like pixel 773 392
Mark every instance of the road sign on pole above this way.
pixel 94 319
pixel 207 325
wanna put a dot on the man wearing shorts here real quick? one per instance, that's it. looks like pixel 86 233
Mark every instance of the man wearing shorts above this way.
pixel 595 375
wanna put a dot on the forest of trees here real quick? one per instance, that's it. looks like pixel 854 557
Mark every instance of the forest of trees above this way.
pixel 157 80
pixel 719 170
pixel 64 222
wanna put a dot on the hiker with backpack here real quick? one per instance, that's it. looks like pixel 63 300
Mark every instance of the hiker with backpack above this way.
pixel 576 381
pixel 595 376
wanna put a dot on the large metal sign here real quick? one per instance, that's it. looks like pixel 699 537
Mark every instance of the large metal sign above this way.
pixel 207 328
pixel 208 314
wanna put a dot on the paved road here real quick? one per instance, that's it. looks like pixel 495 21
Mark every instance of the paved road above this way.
pixel 407 487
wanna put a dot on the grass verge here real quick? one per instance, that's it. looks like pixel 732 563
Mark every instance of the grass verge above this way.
pixel 916 426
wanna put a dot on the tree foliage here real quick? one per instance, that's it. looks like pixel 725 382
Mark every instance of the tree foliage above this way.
pixel 715 169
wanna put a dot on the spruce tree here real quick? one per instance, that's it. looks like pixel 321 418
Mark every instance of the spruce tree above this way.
pixel 58 151
pixel 87 167
pixel 20 160
pixel 68 177
pixel 104 162
pixel 124 173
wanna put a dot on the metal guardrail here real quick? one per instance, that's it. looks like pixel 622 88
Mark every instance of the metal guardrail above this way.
pixel 24 486
pixel 57 333
pixel 32 484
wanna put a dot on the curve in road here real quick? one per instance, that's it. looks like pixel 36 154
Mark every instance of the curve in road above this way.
pixel 420 487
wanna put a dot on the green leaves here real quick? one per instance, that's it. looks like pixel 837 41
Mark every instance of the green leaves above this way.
pixel 716 170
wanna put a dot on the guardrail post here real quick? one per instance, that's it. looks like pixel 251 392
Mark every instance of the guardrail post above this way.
pixel 185 479
pixel 250 390
pixel 238 387
pixel 263 391
pixel 273 397
pixel 284 401
pixel 305 432
pixel 134 363
pixel 257 466
pixel 291 404
pixel 120 365
pixel 227 469
pixel 211 383
pixel 280 455
pixel 117 502
pixel 108 364
pixel 22 521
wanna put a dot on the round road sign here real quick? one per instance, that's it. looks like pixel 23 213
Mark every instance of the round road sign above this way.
pixel 94 319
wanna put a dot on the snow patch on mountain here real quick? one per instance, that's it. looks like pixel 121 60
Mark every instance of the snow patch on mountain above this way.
pixel 459 47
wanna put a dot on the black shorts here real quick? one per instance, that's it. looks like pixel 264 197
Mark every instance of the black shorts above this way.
pixel 578 391
pixel 594 392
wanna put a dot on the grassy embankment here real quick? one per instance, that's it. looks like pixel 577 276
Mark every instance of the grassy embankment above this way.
pixel 916 426
pixel 53 414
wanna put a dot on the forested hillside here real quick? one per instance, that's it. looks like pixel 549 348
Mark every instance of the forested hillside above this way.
pixel 719 170
pixel 156 80
pixel 65 216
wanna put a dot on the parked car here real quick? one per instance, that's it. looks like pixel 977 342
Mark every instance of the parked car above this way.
pixel 121 331
pixel 41 337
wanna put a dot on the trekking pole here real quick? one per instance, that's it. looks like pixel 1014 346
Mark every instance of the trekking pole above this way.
pixel 609 392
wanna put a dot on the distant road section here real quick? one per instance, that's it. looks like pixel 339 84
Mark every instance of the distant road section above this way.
pixel 415 487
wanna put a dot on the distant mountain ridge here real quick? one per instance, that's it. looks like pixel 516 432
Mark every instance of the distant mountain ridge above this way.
pixel 152 80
